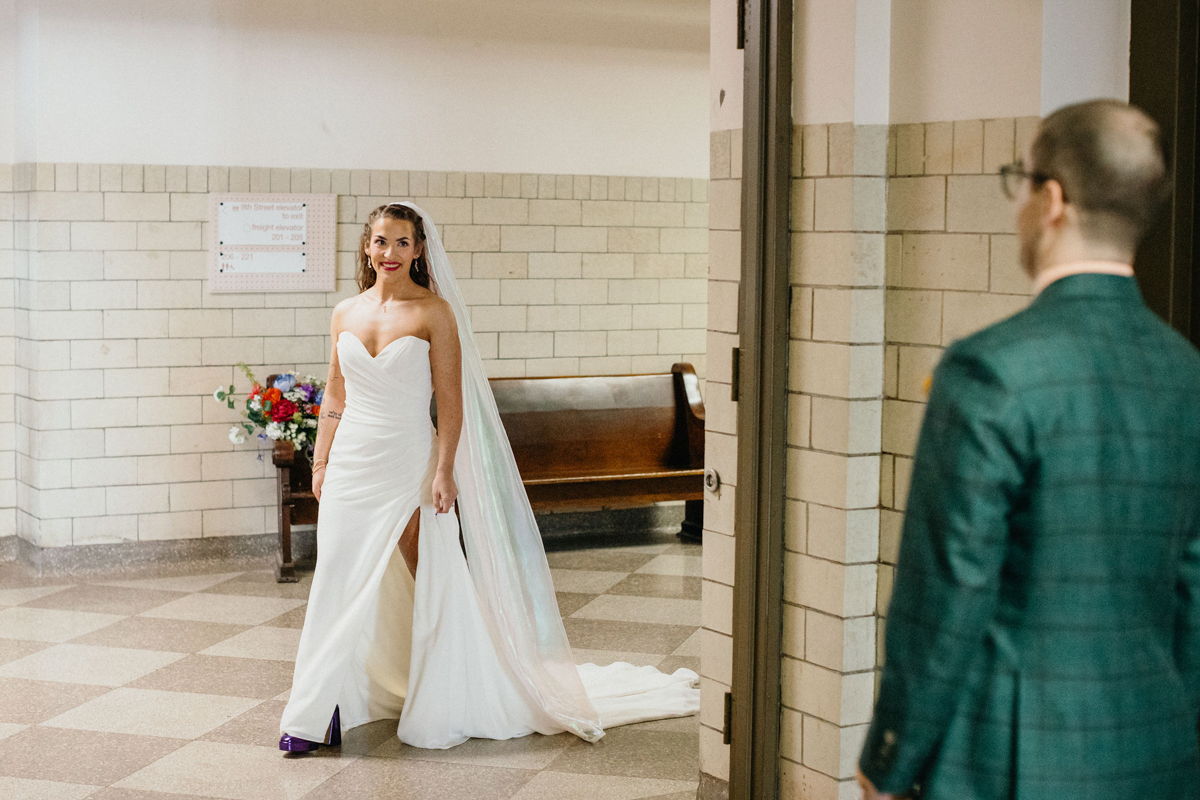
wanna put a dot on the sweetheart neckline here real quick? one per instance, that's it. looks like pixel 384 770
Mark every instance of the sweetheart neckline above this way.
pixel 385 347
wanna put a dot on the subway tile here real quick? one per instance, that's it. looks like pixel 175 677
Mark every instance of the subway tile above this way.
pixel 968 312
pixel 944 261
pixel 913 317
pixel 976 204
pixel 831 479
pixel 968 146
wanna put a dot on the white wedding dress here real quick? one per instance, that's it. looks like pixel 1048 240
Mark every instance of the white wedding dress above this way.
pixel 378 644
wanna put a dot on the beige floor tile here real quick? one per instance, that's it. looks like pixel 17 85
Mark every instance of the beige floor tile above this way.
pixel 16 597
pixel 50 625
pixel 421 780
pixel 526 752
pixel 598 560
pixel 88 664
pixel 231 609
pixel 12 649
pixel 636 637
pixel 113 793
pixel 7 729
pixel 673 662
pixel 235 772
pixel 292 619
pixel 149 712
pixel 25 789
pixel 673 565
pixel 648 584
pixel 105 599
pixel 602 657
pixel 628 608
pixel 665 755
pixel 230 677
pixel 690 647
pixel 30 702
pixel 57 754
pixel 689 724
pixel 275 644
pixel 263 584
pixel 565 786
pixel 258 726
pixel 174 635
pixel 183 583
pixel 570 602
pixel 585 581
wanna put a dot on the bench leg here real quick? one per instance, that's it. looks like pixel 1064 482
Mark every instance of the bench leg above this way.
pixel 692 529
pixel 285 567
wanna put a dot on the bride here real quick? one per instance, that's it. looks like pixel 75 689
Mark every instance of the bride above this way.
pixel 399 622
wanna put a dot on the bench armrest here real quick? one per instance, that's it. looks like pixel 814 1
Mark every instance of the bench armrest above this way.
pixel 284 454
pixel 687 396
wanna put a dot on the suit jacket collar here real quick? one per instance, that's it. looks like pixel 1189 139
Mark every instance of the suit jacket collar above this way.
pixel 1090 285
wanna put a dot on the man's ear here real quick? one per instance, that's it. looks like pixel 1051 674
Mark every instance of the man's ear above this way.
pixel 1056 206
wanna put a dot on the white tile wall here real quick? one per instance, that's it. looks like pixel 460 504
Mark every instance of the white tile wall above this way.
pixel 110 346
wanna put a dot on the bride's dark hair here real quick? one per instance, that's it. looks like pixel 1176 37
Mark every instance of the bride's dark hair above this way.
pixel 419 271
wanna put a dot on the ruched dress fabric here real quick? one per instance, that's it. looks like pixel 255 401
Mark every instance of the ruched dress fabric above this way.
pixel 377 643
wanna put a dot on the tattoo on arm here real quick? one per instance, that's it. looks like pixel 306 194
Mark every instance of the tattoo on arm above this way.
pixel 331 414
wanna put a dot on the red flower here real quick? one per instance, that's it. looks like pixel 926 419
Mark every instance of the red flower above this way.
pixel 283 410
pixel 255 390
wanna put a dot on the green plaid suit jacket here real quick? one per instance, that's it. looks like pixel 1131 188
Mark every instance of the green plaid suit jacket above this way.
pixel 1043 639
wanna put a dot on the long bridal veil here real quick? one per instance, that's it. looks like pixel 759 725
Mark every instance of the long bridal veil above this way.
pixel 503 544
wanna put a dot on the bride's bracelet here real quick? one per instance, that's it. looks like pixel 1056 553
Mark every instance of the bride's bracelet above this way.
pixel 319 464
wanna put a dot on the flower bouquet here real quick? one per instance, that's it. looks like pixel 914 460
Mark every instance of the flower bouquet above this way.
pixel 287 409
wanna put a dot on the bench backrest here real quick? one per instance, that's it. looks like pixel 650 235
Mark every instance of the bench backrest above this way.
pixel 592 425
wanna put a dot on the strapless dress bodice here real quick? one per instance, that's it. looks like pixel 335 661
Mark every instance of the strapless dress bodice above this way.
pixel 392 388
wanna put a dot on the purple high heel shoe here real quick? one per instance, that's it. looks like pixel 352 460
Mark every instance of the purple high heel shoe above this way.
pixel 294 744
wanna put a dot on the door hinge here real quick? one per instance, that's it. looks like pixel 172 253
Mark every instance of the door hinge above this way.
pixel 728 732
pixel 741 30
pixel 735 371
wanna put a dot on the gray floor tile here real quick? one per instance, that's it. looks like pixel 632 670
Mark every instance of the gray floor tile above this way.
pixel 55 754
pixel 421 780
pixel 30 702
pixel 105 599
pixel 665 755
pixel 233 677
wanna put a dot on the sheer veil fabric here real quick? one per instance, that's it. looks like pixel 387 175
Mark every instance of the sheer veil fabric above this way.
pixel 503 544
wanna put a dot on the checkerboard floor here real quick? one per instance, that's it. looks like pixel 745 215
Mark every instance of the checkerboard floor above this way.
pixel 169 683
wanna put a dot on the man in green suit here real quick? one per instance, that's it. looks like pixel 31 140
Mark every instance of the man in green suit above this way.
pixel 1043 639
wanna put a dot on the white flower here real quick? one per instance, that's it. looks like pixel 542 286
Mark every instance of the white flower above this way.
pixel 236 436
pixel 256 404
pixel 295 395
pixel 274 430
pixel 219 394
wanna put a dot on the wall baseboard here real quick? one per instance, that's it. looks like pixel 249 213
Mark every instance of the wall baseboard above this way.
pixel 712 788
pixel 560 531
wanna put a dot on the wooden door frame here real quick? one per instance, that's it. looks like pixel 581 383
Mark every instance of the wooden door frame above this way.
pixel 1163 56
pixel 763 308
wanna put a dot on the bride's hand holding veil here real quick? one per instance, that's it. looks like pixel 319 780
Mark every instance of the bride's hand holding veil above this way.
pixel 445 492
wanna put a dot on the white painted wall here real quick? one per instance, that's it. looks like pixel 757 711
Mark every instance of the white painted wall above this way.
pixel 823 61
pixel 967 59
pixel 8 78
pixel 726 68
pixel 1085 51
pixel 613 87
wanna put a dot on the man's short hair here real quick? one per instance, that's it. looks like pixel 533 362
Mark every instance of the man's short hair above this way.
pixel 1108 157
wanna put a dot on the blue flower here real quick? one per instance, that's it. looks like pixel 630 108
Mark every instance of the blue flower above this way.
pixel 285 382
pixel 262 437
pixel 320 396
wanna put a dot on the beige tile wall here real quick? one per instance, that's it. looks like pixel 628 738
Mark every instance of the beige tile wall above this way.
pixel 952 268
pixel 118 346
pixel 720 452
pixel 8 370
pixel 902 242
pixel 839 205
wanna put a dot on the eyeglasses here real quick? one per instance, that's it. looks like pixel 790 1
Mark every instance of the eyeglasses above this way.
pixel 1012 174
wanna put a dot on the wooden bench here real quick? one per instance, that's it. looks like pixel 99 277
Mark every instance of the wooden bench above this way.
pixel 612 441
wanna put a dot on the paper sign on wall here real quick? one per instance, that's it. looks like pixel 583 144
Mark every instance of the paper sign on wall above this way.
pixel 272 242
